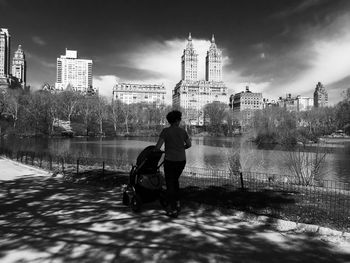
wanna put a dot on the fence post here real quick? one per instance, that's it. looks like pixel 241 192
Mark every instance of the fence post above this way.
pixel 50 162
pixel 62 159
pixel 78 166
pixel 103 168
pixel 241 177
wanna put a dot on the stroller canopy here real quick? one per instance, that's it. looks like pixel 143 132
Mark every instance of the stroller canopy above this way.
pixel 148 159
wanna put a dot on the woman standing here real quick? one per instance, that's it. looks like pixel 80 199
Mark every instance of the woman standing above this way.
pixel 176 140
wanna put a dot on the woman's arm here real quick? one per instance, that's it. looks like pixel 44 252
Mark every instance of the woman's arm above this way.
pixel 159 144
pixel 188 143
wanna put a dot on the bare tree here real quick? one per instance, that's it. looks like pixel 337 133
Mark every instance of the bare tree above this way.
pixel 69 103
pixel 53 110
pixel 12 105
pixel 306 166
pixel 126 114
pixel 215 113
pixel 240 160
pixel 86 109
pixel 116 114
pixel 101 111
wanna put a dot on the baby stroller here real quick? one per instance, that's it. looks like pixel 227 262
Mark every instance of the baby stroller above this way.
pixel 146 183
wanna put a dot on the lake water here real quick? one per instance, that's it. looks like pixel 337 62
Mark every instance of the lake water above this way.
pixel 206 152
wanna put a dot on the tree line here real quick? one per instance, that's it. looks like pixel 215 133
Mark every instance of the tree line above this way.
pixel 276 125
pixel 36 113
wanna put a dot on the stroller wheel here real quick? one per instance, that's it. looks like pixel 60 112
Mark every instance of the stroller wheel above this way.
pixel 135 203
pixel 126 198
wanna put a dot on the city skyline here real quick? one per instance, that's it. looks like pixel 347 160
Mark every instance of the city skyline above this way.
pixel 276 47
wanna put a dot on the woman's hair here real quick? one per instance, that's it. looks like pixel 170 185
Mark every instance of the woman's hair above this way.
pixel 174 116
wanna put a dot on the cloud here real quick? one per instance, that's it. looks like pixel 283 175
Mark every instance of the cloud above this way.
pixel 303 6
pixel 105 84
pixel 329 64
pixel 165 57
pixel 39 41
pixel 306 4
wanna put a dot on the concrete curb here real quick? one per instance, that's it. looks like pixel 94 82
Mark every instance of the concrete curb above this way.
pixel 285 225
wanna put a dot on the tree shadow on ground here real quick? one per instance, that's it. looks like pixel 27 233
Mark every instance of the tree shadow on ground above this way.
pixel 48 219
pixel 242 199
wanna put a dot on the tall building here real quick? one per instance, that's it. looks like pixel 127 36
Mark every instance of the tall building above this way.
pixel 320 96
pixel 136 93
pixel 4 53
pixel 74 72
pixel 213 63
pixel 189 61
pixel 192 94
pixel 244 104
pixel 19 66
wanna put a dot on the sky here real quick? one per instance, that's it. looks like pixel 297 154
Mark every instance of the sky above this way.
pixel 274 46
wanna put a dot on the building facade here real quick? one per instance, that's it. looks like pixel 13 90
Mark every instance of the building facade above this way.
pixel 269 103
pixel 19 66
pixel 192 94
pixel 244 104
pixel 73 72
pixel 246 100
pixel 289 103
pixel 296 104
pixel 305 103
pixel 320 96
pixel 4 53
pixel 136 93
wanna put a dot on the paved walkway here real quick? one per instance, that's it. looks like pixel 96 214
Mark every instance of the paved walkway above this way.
pixel 44 219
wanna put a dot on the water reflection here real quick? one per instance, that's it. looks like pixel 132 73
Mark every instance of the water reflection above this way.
pixel 206 152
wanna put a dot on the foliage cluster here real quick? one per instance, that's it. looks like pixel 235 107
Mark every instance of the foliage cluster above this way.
pixel 277 125
pixel 37 112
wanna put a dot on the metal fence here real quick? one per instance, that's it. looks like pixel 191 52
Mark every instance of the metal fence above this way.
pixel 323 202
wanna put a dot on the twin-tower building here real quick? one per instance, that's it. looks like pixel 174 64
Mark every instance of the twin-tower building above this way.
pixel 191 93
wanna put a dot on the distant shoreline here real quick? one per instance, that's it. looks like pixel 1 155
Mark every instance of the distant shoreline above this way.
pixel 335 140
